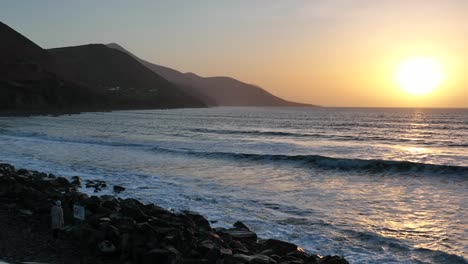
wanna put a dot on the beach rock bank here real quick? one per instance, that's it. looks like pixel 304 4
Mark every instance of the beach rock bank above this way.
pixel 119 230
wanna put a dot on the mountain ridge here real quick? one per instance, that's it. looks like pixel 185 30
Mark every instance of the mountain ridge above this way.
pixel 223 90
pixel 34 80
pixel 115 72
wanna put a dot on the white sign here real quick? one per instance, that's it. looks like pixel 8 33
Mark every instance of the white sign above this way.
pixel 79 212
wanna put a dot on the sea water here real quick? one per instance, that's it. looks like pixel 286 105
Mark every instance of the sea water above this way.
pixel 372 185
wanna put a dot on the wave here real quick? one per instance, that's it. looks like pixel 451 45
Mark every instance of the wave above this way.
pixel 422 140
pixel 253 132
pixel 377 241
pixel 324 162
pixel 317 161
pixel 43 137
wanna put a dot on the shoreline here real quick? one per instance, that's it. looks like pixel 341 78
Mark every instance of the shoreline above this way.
pixel 119 230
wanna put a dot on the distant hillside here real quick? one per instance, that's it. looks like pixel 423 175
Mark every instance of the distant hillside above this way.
pixel 117 74
pixel 222 91
pixel 85 78
pixel 28 78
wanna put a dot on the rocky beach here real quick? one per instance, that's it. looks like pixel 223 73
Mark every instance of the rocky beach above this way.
pixel 116 230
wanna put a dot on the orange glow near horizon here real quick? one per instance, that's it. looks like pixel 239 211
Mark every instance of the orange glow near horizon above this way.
pixel 343 53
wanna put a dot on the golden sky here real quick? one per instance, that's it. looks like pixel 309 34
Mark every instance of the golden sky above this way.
pixel 352 60
pixel 326 52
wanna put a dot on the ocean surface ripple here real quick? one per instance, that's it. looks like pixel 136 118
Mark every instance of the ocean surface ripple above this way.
pixel 373 185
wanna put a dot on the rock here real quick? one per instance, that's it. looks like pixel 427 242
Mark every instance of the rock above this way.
pixel 237 247
pixel 135 213
pixel 239 258
pixel 267 252
pixel 280 247
pixel 206 245
pixel 96 184
pixel 112 206
pixel 299 254
pixel 194 261
pixel 125 242
pixel 254 259
pixel 292 260
pixel 225 252
pixel 213 255
pixel 26 212
pixel 261 259
pixel 111 232
pixel 93 203
pixel 106 247
pixel 131 203
pixel 22 172
pixel 162 256
pixel 118 189
pixel 76 181
pixel 62 182
pixel 240 234
pixel 332 260
pixel 145 228
pixel 243 226
pixel 199 220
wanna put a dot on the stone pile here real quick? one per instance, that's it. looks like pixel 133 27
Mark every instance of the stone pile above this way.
pixel 127 231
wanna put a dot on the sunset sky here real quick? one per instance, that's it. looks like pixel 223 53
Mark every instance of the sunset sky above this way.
pixel 326 52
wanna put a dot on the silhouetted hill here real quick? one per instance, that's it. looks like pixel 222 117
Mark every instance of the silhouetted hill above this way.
pixel 28 78
pixel 87 78
pixel 22 58
pixel 119 75
pixel 223 91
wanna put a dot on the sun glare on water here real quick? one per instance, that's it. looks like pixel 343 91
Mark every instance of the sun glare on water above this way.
pixel 420 75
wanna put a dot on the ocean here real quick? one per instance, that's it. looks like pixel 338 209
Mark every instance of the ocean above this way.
pixel 373 185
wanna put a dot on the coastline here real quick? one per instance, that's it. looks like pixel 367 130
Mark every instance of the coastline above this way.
pixel 119 230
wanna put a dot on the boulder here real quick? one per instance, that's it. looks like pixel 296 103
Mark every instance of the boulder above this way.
pixel 225 252
pixel 118 189
pixel 213 255
pixel 280 247
pixel 96 184
pixel 162 256
pixel 76 181
pixel 194 261
pixel 254 259
pixel 62 182
pixel 106 247
pixel 333 260
pixel 238 248
pixel 243 226
pixel 22 172
pixel 135 213
pixel 199 220
pixel 240 234
pixel 206 245
pixel 238 258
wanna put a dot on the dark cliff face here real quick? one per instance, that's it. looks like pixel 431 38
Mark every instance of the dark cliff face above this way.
pixel 87 78
pixel 29 81
pixel 18 51
pixel 121 77
pixel 21 59
pixel 222 91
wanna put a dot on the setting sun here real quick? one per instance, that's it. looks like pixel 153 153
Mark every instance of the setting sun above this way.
pixel 419 76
